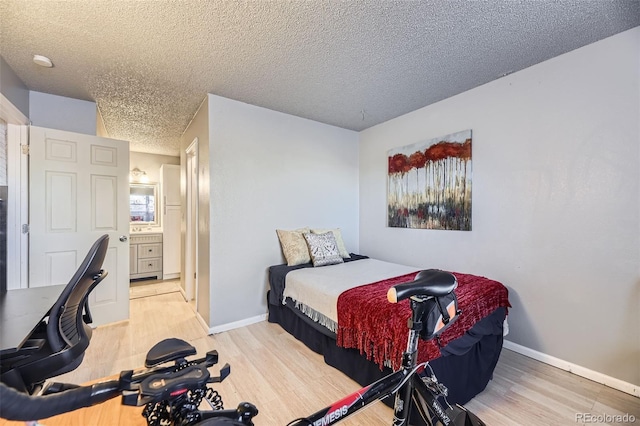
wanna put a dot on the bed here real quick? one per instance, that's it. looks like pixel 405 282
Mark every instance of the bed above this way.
pixel 325 307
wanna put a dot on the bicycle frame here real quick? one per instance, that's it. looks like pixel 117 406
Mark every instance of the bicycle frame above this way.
pixel 405 384
pixel 348 405
pixel 379 390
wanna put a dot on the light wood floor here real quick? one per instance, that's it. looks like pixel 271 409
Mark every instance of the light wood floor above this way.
pixel 285 380
pixel 146 288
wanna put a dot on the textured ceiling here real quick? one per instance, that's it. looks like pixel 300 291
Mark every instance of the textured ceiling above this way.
pixel 352 64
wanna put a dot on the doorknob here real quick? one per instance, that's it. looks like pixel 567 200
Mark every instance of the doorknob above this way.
pixel 123 238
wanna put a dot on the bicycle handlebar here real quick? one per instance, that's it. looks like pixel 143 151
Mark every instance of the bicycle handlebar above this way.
pixel 22 407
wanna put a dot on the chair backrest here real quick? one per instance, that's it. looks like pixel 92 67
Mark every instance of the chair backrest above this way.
pixel 66 325
pixel 67 334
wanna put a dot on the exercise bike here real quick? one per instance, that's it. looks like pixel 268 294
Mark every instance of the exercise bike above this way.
pixel 173 389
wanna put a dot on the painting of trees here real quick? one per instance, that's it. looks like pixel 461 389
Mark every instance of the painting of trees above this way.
pixel 429 184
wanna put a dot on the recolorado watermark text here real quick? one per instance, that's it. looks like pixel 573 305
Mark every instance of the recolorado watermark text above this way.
pixel 605 418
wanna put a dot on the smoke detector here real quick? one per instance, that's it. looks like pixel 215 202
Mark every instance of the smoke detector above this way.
pixel 43 61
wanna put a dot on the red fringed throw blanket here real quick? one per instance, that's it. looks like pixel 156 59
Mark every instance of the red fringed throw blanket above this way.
pixel 368 322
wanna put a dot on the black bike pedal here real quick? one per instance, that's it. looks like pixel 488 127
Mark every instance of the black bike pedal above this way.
pixel 224 373
pixel 247 411
pixel 130 397
pixel 211 358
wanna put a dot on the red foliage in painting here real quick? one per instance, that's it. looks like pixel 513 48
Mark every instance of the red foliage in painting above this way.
pixel 465 150
pixel 435 152
pixel 440 151
pixel 392 166
pixel 399 163
pixel 417 159
pixel 443 150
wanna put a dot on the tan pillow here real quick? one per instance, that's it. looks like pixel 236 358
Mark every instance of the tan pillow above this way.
pixel 338 236
pixel 294 246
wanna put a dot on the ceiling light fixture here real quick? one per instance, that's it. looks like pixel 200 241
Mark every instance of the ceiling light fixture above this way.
pixel 43 61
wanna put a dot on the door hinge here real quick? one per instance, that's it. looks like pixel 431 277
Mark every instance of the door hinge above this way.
pixel 194 275
pixel 25 149
pixel 25 228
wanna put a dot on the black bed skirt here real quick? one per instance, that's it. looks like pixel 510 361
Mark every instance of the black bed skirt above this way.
pixel 465 374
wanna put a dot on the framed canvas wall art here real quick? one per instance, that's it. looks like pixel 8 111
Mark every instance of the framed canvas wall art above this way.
pixel 429 184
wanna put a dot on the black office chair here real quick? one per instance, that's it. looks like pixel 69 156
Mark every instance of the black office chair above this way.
pixel 58 343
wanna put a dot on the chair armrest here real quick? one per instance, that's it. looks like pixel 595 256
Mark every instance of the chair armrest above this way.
pixel 8 360
pixel 32 345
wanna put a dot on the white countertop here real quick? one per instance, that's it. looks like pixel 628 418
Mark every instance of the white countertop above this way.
pixel 135 230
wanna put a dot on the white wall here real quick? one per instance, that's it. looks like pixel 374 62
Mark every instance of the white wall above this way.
pixel 198 128
pixel 13 89
pixel 271 170
pixel 59 112
pixel 3 153
pixel 556 201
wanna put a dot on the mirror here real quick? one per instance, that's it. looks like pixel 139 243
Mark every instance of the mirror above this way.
pixel 142 203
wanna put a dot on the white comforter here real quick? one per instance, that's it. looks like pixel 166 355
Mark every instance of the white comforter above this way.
pixel 316 290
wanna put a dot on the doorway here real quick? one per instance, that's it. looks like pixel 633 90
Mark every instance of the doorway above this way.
pixel 191 237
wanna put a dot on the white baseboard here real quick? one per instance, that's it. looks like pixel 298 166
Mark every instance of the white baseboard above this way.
pixel 612 382
pixel 201 320
pixel 171 276
pixel 237 324
pixel 203 323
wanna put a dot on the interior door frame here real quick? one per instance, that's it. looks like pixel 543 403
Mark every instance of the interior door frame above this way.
pixel 191 219
pixel 18 187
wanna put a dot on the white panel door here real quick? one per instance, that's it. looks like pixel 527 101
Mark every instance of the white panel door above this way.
pixel 171 241
pixel 170 181
pixel 78 191
pixel 171 220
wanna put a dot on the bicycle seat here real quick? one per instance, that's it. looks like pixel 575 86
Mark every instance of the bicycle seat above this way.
pixel 168 350
pixel 430 282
